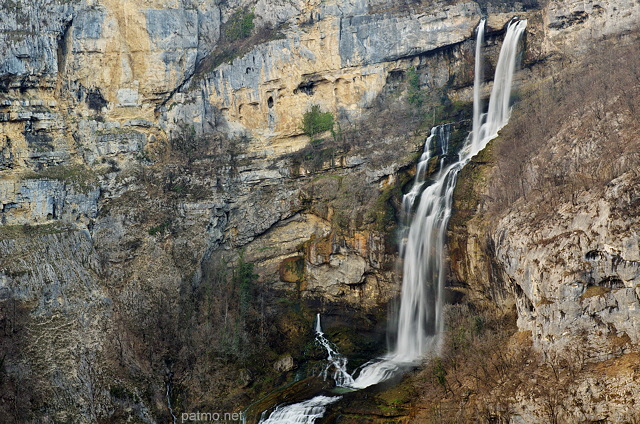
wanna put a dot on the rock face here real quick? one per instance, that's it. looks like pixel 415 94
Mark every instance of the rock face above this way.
pixel 340 60
pixel 378 38
pixel 42 200
pixel 151 151
pixel 589 284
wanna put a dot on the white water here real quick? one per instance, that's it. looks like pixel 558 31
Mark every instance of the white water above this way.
pixel 305 412
pixel 499 110
pixel 439 138
pixel 477 80
pixel 312 409
pixel 335 360
pixel 420 320
pixel 175 419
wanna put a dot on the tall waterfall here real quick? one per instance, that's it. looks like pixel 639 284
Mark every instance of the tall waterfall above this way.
pixel 420 320
pixel 477 80
pixel 499 110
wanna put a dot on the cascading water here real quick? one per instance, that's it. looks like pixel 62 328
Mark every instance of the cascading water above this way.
pixel 175 419
pixel 423 254
pixel 438 141
pixel 334 359
pixel 305 412
pixel 312 409
pixel 477 80
pixel 420 320
pixel 499 110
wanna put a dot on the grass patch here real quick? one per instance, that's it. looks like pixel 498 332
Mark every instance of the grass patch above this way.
pixel 160 229
pixel 10 232
pixel 593 291
pixel 79 176
pixel 415 96
pixel 383 212
pixel 240 25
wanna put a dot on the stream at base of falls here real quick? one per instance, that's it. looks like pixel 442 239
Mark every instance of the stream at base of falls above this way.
pixel 420 319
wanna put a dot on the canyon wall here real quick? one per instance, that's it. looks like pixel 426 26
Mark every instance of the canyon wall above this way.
pixel 156 179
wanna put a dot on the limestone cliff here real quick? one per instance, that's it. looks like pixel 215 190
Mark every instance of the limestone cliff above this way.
pixel 167 224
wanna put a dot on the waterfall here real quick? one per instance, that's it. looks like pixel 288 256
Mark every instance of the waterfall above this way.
pixel 175 419
pixel 477 80
pixel 420 320
pixel 312 409
pixel 419 315
pixel 438 140
pixel 499 110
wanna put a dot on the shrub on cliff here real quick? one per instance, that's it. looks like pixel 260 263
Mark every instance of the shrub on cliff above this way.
pixel 315 122
pixel 240 25
pixel 415 95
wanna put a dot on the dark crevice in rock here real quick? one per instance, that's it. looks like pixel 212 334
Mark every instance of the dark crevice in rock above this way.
pixel 611 282
pixel 63 47
pixel 306 87
pixel 593 255
pixel 178 89
pixel 95 100
pixel 575 18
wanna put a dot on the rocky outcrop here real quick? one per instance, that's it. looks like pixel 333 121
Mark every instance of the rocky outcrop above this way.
pixel 578 274
pixel 378 38
pixel 35 201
